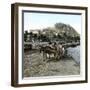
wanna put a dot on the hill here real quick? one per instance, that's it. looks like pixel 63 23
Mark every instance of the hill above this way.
pixel 59 32
pixel 61 28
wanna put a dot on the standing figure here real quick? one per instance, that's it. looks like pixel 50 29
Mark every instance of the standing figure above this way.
pixel 61 51
pixel 55 46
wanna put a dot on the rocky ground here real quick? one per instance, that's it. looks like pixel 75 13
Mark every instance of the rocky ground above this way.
pixel 75 53
pixel 34 66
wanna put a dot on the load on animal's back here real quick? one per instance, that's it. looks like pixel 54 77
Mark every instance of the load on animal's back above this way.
pixel 47 50
pixel 60 50
pixel 52 48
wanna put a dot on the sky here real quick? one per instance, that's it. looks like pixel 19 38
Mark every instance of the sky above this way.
pixel 44 20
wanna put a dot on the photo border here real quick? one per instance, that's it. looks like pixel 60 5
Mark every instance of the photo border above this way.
pixel 14 43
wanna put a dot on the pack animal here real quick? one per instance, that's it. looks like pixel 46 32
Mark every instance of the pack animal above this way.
pixel 48 50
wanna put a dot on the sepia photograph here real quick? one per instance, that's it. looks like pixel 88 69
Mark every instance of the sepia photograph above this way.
pixel 51 44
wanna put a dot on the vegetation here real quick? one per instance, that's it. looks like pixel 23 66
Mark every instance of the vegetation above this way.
pixel 60 32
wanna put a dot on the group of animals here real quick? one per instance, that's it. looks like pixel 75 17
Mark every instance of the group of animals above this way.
pixel 57 50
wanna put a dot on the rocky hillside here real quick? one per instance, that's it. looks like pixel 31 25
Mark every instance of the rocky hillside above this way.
pixel 59 32
pixel 62 29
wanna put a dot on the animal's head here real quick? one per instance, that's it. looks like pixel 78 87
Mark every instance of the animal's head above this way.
pixel 42 48
pixel 60 46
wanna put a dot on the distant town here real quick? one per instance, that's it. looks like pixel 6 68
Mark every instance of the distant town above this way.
pixel 60 33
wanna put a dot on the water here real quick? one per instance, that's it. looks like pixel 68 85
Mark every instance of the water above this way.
pixel 74 53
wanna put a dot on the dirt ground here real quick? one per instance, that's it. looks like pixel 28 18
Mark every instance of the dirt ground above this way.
pixel 34 66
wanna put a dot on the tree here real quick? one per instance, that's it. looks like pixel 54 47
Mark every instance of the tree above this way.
pixel 59 25
pixel 35 36
pixel 39 35
pixel 25 35
pixel 77 38
pixel 31 35
pixel 59 36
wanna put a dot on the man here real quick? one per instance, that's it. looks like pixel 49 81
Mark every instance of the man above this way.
pixel 50 45
pixel 56 48
pixel 61 51
pixel 55 45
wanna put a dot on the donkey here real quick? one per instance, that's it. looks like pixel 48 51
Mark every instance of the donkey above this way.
pixel 48 50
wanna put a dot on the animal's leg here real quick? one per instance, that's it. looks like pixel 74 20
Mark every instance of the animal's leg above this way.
pixel 59 55
pixel 55 56
pixel 44 56
pixel 49 56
